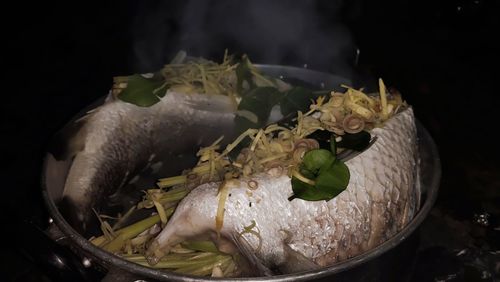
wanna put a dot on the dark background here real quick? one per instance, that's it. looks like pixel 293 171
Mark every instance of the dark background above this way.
pixel 442 55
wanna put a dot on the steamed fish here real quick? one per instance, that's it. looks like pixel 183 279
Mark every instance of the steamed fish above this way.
pixel 274 233
pixel 119 139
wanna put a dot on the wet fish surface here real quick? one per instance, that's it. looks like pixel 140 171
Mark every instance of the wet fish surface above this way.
pixel 383 195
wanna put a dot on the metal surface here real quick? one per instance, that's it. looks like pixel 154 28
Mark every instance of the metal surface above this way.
pixel 370 264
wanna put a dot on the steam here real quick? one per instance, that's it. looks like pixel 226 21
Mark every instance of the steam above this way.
pixel 298 33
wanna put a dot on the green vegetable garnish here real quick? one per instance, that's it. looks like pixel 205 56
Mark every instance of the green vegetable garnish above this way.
pixel 143 92
pixel 321 176
pixel 296 99
pixel 258 103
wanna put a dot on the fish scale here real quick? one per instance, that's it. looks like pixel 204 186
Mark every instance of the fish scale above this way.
pixel 381 198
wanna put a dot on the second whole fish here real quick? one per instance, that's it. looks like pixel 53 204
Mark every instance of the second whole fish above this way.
pixel 383 195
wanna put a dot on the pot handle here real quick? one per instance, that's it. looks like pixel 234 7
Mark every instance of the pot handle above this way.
pixel 57 261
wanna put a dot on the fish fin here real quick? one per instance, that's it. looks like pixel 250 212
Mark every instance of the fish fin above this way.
pixel 296 261
pixel 246 250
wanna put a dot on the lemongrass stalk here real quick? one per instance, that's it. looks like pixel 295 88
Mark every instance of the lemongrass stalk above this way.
pixel 165 197
pixel 122 219
pixel 181 263
pixel 98 241
pixel 171 181
pixel 229 270
pixel 173 195
pixel 204 246
pixel 129 232
pixel 201 169
pixel 204 269
pixel 169 257
pixel 161 212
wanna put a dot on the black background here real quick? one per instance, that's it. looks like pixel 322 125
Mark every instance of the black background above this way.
pixel 442 55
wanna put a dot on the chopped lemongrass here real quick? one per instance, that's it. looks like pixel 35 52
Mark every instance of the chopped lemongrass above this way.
pixel 161 212
pixel 272 158
pixel 249 230
pixel 171 181
pixel 383 98
pixel 238 140
pixel 98 241
pixel 360 110
pixel 204 267
pixel 217 272
pixel 359 94
pixel 180 263
pixel 139 240
pixel 179 249
pixel 130 232
pixel 173 196
pixel 256 139
pixel 223 193
pixel 123 218
pixel 302 178
pixel 274 127
pixel 204 246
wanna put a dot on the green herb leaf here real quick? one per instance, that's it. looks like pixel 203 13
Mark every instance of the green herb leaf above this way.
pixel 307 192
pixel 141 91
pixel 258 101
pixel 314 160
pixel 334 180
pixel 330 176
pixel 357 141
pixel 296 99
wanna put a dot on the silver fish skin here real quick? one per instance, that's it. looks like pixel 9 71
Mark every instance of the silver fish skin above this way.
pixel 382 197
pixel 119 139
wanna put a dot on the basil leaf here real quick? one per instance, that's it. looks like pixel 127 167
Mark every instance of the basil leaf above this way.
pixel 258 101
pixel 315 159
pixel 357 141
pixel 296 99
pixel 307 173
pixel 307 192
pixel 334 180
pixel 140 91
pixel 330 176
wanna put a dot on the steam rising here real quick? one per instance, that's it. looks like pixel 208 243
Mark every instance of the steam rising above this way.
pixel 299 33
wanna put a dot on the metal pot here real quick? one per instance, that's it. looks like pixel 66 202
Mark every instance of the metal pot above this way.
pixel 391 260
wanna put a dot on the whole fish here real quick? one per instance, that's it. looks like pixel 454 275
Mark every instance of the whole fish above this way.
pixel 117 140
pixel 274 233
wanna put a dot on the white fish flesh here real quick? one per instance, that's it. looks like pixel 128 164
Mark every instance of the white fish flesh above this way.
pixel 382 197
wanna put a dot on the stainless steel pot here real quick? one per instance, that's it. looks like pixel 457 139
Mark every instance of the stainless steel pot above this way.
pixel 391 260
